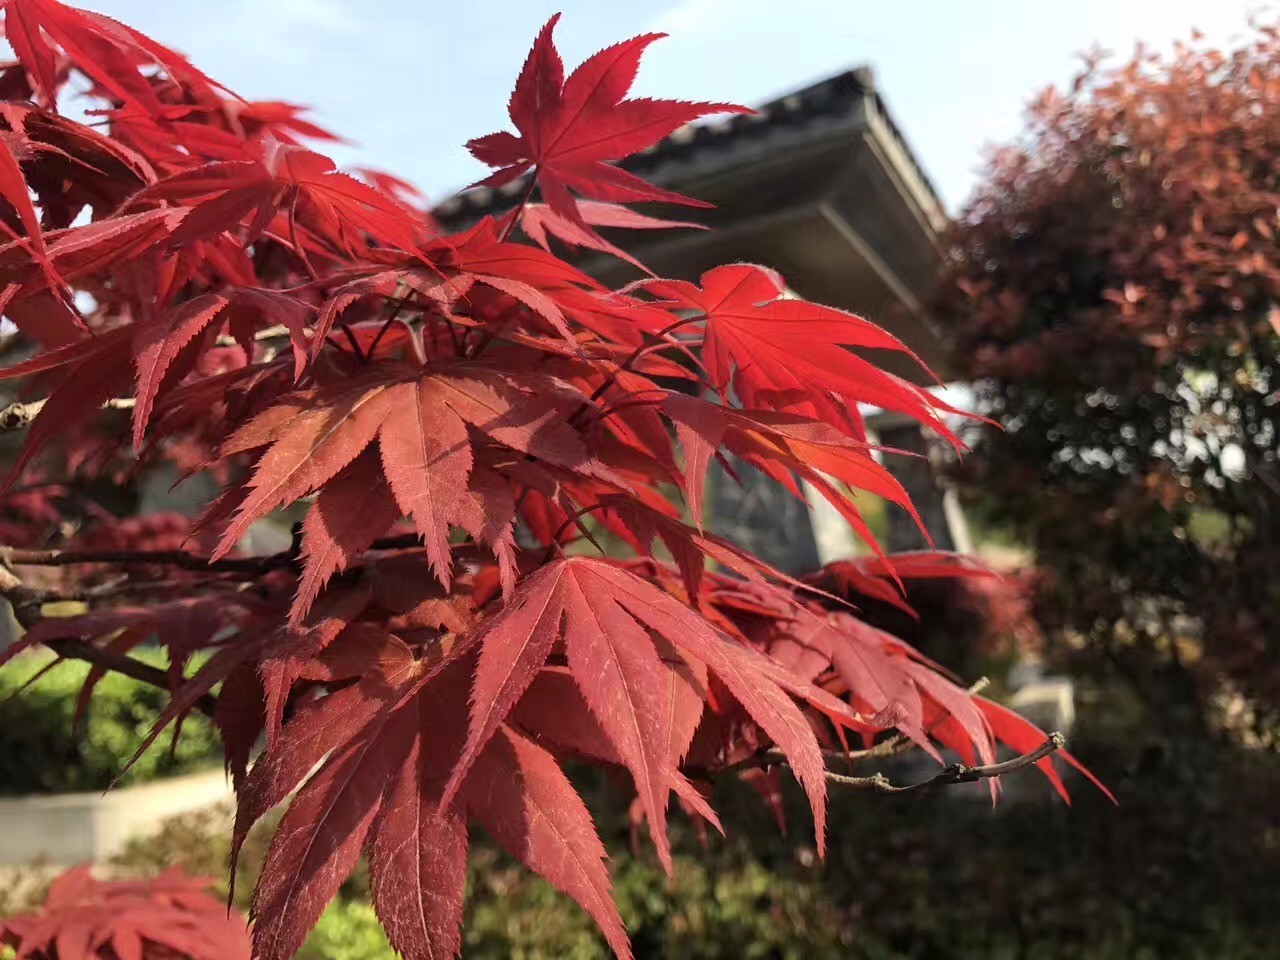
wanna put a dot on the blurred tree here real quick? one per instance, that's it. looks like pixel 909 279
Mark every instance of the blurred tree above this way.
pixel 1115 292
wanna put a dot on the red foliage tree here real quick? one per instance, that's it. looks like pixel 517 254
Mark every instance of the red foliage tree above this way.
pixel 412 665
pixel 1115 290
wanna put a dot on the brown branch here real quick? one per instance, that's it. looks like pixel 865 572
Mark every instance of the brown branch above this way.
pixel 518 209
pixel 956 773
pixel 178 558
pixel 395 313
pixel 892 746
pixel 274 337
pixel 26 603
pixel 15 556
pixel 18 415
pixel 73 648
pixel 767 759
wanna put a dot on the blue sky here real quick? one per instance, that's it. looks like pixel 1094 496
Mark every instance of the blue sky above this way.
pixel 409 81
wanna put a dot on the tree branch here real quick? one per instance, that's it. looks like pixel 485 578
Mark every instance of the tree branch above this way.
pixel 956 773
pixel 18 415
pixel 892 746
pixel 177 558
pixel 26 603
pixel 73 648
pixel 15 556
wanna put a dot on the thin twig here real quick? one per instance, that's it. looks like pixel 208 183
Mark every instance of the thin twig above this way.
pixel 956 773
pixel 26 603
pixel 24 600
pixel 768 759
pixel 337 344
pixel 276 332
pixel 73 648
pixel 612 377
pixel 19 415
pixel 351 339
pixel 395 313
pixel 518 209
pixel 484 338
pixel 892 746
pixel 643 349
pixel 10 556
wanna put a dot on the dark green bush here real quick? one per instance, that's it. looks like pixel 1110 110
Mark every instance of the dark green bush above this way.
pixel 1186 867
pixel 40 753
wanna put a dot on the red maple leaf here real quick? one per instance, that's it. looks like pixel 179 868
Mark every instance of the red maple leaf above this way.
pixel 571 128
pixel 783 353
pixel 446 421
pixel 84 918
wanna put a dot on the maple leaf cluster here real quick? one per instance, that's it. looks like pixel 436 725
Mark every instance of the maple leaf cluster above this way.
pixel 464 413
pixel 170 915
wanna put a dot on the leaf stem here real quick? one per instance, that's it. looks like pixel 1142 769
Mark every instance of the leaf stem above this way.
pixel 355 346
pixel 395 313
pixel 518 209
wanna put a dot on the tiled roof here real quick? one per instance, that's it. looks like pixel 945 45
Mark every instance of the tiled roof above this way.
pixel 829 105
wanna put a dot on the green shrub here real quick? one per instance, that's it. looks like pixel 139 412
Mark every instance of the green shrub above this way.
pixel 348 930
pixel 1186 867
pixel 40 752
